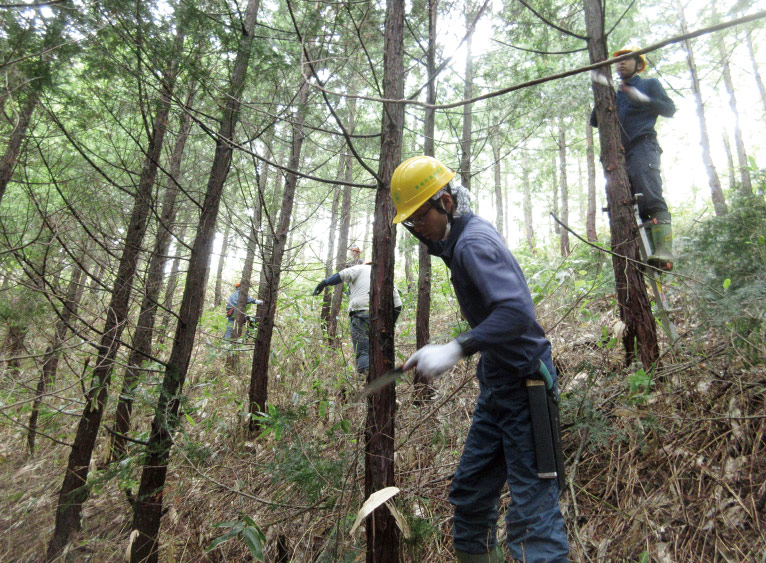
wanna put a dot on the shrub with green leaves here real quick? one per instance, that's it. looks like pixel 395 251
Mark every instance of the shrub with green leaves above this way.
pixel 728 254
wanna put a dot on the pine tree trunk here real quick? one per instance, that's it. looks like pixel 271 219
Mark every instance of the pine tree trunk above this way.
pixel 268 291
pixel 716 193
pixel 744 171
pixel 635 309
pixel 74 490
pixel 147 508
pixel 382 532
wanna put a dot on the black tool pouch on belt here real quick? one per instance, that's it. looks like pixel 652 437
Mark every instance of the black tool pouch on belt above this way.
pixel 546 431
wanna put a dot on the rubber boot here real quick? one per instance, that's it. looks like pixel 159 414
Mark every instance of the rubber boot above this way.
pixel 662 241
pixel 491 557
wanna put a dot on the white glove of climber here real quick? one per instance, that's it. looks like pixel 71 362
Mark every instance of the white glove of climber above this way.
pixel 635 94
pixel 433 360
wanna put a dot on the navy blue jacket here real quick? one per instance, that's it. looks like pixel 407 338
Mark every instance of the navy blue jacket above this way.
pixel 495 300
pixel 637 119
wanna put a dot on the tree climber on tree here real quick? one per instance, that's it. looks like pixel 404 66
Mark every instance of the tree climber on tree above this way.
pixel 639 103
pixel 495 300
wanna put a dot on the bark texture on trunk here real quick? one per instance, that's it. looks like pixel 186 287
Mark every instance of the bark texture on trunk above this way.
pixel 382 532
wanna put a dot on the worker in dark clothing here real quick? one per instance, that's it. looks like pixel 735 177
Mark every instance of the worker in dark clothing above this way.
pixel 358 279
pixel 639 102
pixel 495 300
pixel 231 309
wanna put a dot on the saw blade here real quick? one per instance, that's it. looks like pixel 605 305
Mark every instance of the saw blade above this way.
pixel 379 383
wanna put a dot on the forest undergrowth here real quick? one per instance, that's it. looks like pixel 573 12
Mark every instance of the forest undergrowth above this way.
pixel 666 465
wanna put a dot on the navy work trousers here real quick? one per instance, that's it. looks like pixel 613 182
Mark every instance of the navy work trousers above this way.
pixel 360 338
pixel 499 449
pixel 643 163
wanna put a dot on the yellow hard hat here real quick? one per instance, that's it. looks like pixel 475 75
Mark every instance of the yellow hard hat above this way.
pixel 632 49
pixel 414 181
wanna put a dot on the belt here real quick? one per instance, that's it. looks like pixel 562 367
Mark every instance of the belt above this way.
pixel 635 141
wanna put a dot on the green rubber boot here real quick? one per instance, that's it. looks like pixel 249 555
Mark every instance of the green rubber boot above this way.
pixel 491 557
pixel 662 241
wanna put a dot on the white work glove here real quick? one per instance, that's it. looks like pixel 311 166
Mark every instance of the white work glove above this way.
pixel 433 360
pixel 635 94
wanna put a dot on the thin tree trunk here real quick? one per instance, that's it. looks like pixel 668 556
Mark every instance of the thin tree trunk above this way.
pixel 554 176
pixel 50 362
pixel 172 284
pixel 144 333
pixel 423 389
pixel 564 240
pixel 744 171
pixel 382 532
pixel 247 274
pixel 497 169
pixel 74 489
pixel 18 135
pixel 324 314
pixel 465 138
pixel 756 72
pixel 635 309
pixel 730 162
pixel 218 291
pixel 527 202
pixel 716 193
pixel 590 225
pixel 147 508
pixel 268 291
pixel 345 223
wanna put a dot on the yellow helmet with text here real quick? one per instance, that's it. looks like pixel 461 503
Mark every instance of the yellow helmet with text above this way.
pixel 641 64
pixel 414 181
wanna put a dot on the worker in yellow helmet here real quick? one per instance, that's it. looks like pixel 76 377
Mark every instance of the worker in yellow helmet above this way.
pixel 639 102
pixel 495 300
